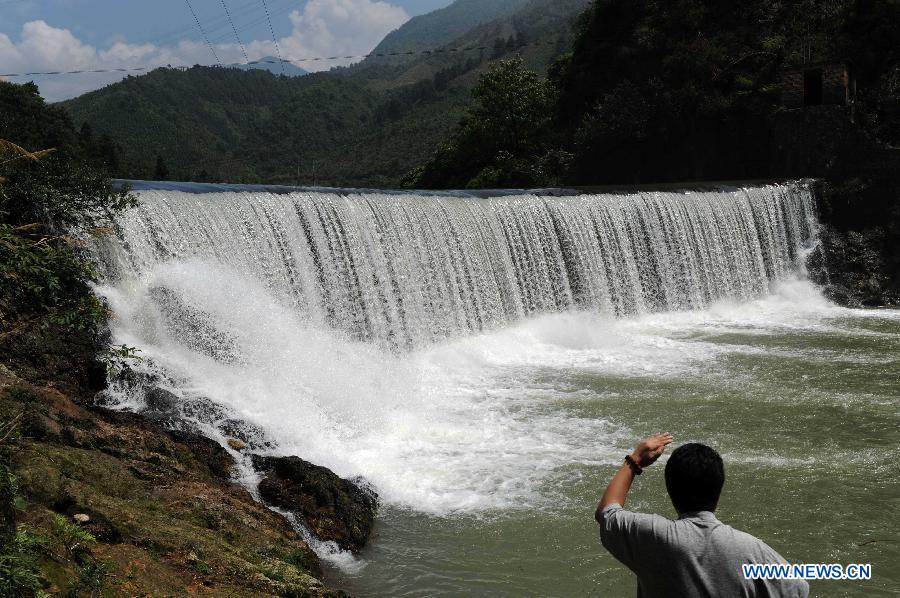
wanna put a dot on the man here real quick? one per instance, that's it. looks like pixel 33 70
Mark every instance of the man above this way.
pixel 696 554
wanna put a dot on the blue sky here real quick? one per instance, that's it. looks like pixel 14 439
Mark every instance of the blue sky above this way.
pixel 42 35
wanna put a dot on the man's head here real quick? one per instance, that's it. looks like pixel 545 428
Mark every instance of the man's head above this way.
pixel 695 475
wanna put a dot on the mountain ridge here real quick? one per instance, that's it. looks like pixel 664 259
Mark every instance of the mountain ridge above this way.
pixel 440 27
pixel 274 65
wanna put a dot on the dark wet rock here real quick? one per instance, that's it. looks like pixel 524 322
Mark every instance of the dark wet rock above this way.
pixel 853 267
pixel 335 509
pixel 161 400
pixel 177 424
pixel 208 452
pixel 203 410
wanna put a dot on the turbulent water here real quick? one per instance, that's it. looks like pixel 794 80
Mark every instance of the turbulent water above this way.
pixel 485 362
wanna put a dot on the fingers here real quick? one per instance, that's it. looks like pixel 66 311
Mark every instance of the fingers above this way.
pixel 660 438
pixel 664 438
pixel 654 446
pixel 658 442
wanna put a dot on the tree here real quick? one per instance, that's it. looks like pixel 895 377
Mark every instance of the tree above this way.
pixel 47 200
pixel 501 136
pixel 87 134
pixel 657 91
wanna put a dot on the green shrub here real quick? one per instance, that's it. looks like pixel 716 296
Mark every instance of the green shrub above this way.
pixel 119 359
pixel 70 536
pixel 19 572
pixel 91 578
pixel 46 276
pixel 54 194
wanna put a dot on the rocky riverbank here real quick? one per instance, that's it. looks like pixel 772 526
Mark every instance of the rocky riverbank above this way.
pixel 157 510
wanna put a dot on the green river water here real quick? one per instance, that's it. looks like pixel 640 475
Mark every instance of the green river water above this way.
pixel 801 398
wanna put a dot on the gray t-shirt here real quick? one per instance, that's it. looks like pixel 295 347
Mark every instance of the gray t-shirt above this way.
pixel 694 555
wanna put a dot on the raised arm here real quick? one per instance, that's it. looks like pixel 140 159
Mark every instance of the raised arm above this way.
pixel 647 452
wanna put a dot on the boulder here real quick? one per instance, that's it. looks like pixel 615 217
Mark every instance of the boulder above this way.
pixel 203 410
pixel 335 509
pixel 209 452
pixel 161 400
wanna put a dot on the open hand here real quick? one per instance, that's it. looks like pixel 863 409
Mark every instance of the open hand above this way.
pixel 651 448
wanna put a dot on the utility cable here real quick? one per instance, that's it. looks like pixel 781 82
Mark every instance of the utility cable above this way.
pixel 202 32
pixel 292 61
pixel 236 36
pixel 272 30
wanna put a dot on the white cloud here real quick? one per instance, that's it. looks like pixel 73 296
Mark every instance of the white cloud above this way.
pixel 323 28
pixel 340 27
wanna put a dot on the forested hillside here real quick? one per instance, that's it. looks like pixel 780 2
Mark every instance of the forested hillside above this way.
pixel 671 91
pixel 211 123
pixel 440 27
pixel 366 125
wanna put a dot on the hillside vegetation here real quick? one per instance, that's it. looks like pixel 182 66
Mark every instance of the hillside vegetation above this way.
pixel 441 27
pixel 671 91
pixel 366 125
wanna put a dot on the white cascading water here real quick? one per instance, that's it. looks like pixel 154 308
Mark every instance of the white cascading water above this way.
pixel 401 337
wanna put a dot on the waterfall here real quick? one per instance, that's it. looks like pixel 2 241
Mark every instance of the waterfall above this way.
pixel 412 338
pixel 404 270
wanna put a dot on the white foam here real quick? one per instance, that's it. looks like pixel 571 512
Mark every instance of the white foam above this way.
pixel 465 426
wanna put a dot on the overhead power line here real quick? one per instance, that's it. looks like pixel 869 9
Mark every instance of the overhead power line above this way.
pixel 202 32
pixel 219 21
pixel 272 30
pixel 236 36
pixel 289 61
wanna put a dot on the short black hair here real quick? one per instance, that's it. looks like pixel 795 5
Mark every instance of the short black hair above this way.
pixel 695 475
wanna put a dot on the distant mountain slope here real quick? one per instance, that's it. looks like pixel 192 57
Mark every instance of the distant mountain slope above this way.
pixel 438 28
pixel 365 126
pixel 199 120
pixel 539 31
pixel 273 65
